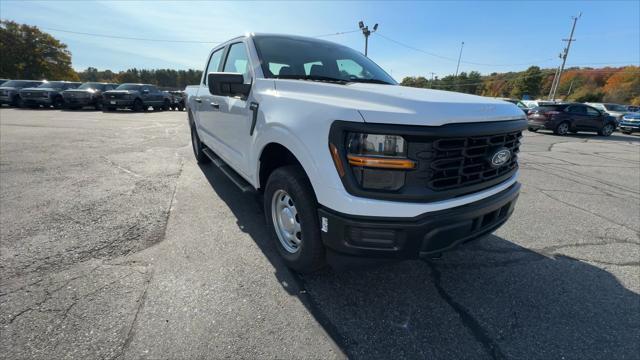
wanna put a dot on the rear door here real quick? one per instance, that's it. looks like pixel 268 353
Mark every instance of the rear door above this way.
pixel 206 113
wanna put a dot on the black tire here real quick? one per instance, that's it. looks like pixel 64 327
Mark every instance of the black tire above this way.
pixel 181 108
pixel 198 146
pixel 167 105
pixel 607 130
pixel 108 109
pixel 310 253
pixel 562 129
pixel 98 106
pixel 17 102
pixel 627 132
pixel 58 102
pixel 532 129
pixel 137 105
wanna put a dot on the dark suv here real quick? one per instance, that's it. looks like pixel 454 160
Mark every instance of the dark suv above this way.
pixel 47 94
pixel 87 94
pixel 10 91
pixel 565 118
pixel 137 97
pixel 177 100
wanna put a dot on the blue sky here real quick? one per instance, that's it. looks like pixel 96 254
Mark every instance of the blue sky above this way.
pixel 503 36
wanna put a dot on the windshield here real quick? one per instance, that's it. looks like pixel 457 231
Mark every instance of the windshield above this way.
pixel 52 85
pixel 301 58
pixel 615 107
pixel 129 87
pixel 95 86
pixel 16 83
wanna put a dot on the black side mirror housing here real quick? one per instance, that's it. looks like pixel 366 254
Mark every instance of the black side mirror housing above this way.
pixel 228 84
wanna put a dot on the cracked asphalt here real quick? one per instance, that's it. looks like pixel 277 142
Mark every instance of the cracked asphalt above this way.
pixel 115 244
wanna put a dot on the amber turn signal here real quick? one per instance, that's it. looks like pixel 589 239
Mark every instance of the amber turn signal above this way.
pixel 384 163
pixel 336 159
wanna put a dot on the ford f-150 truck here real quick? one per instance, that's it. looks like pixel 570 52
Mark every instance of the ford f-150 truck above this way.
pixel 47 94
pixel 350 164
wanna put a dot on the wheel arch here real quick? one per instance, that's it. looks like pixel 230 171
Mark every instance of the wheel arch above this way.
pixel 273 156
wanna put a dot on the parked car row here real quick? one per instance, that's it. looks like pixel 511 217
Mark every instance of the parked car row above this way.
pixel 567 118
pixel 98 95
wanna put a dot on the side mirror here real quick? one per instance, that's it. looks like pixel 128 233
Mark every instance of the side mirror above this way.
pixel 228 84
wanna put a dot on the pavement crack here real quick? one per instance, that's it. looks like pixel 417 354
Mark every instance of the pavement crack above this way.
pixel 121 167
pixel 130 334
pixel 479 333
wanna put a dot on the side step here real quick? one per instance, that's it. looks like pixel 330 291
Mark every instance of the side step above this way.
pixel 235 178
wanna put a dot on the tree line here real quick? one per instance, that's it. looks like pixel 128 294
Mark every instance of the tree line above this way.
pixel 610 84
pixel 26 52
pixel 29 53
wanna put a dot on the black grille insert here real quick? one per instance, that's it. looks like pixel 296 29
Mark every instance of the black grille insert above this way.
pixel 463 161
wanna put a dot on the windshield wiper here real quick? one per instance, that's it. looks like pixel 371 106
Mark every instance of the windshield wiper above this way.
pixel 371 81
pixel 312 78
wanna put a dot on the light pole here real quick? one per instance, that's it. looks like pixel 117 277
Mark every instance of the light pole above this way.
pixel 459 57
pixel 366 32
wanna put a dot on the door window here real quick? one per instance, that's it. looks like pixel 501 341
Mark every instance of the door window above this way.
pixel 577 109
pixel 238 61
pixel 592 112
pixel 214 63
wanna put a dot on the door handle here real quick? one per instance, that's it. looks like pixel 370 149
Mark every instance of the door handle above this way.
pixel 215 106
pixel 198 100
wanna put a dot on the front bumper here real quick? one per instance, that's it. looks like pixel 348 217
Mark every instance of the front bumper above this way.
pixel 118 103
pixel 75 101
pixel 629 126
pixel 422 236
pixel 5 99
pixel 536 124
pixel 37 101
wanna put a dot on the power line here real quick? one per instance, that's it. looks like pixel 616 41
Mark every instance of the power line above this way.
pixel 169 40
pixel 130 38
pixel 453 59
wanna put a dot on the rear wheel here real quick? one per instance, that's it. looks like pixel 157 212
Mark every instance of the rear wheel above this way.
pixel 198 146
pixel 562 129
pixel 290 209
pixel 606 130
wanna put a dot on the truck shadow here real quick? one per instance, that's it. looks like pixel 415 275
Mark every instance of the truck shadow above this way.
pixel 489 299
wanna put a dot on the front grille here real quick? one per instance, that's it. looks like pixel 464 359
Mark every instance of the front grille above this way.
pixel 34 94
pixel 115 96
pixel 464 161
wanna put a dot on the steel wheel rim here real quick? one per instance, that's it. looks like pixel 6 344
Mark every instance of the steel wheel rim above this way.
pixel 286 221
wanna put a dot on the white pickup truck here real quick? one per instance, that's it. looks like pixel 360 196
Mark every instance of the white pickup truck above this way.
pixel 350 164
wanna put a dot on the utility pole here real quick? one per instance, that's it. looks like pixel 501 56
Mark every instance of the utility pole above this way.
pixel 431 83
pixel 459 57
pixel 553 83
pixel 455 78
pixel 366 32
pixel 564 54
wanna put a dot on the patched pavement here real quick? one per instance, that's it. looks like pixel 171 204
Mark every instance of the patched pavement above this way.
pixel 116 244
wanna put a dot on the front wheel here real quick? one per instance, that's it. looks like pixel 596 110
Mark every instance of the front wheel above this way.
pixel 137 105
pixel 291 213
pixel 58 102
pixel 166 105
pixel 17 102
pixel 606 130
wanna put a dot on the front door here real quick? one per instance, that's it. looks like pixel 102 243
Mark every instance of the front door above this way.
pixel 595 118
pixel 206 111
pixel 234 120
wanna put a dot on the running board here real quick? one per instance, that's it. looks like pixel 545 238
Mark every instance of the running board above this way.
pixel 235 178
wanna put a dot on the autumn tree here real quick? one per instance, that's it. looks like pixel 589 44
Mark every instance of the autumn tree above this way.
pixel 28 53
pixel 623 86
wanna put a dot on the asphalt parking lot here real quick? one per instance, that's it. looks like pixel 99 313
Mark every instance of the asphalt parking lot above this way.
pixel 115 244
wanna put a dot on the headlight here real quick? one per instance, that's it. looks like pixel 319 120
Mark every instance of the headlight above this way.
pixel 377 161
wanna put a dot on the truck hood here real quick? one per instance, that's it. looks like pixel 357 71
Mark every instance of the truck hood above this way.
pixel 393 104
pixel 40 89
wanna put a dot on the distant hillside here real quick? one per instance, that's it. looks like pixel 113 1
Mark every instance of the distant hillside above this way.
pixel 619 85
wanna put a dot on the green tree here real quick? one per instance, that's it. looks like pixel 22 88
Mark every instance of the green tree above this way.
pixel 28 53
pixel 528 83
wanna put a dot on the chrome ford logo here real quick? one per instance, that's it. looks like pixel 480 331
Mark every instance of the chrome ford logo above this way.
pixel 500 157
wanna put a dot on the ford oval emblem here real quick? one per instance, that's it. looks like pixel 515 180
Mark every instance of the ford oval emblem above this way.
pixel 500 157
